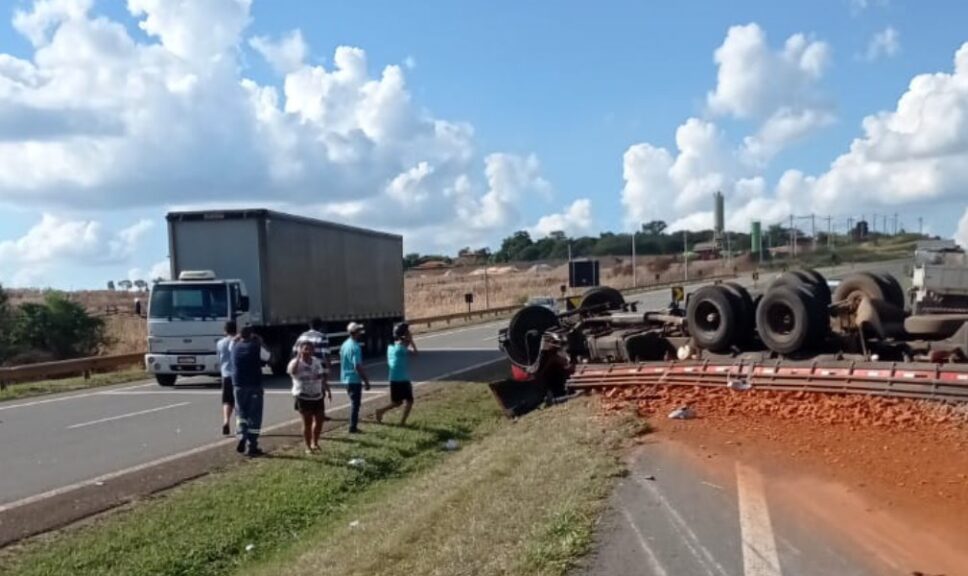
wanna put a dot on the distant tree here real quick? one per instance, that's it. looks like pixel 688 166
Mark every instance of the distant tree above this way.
pixel 557 235
pixel 58 326
pixel 513 246
pixel 654 228
pixel 125 284
pixel 111 285
pixel 141 285
pixel 6 319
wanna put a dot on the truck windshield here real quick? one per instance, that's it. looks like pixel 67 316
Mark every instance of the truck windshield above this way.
pixel 189 301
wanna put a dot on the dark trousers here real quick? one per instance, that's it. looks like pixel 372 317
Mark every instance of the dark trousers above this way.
pixel 355 392
pixel 248 406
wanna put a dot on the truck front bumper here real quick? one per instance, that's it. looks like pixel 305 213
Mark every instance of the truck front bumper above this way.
pixel 183 364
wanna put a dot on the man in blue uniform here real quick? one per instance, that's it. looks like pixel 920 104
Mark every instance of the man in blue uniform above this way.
pixel 352 373
pixel 247 357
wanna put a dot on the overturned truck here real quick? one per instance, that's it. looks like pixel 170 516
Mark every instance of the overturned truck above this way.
pixel 795 334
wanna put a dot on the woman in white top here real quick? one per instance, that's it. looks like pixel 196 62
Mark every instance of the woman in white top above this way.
pixel 309 384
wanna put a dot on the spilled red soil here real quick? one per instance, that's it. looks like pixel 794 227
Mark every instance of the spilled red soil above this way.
pixel 905 461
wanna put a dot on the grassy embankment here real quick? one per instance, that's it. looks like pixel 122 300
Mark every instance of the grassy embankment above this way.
pixel 516 498
pixel 28 389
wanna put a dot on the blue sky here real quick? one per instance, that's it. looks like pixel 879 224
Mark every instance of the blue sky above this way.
pixel 549 102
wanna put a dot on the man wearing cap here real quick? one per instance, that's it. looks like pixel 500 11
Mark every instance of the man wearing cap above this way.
pixel 401 390
pixel 352 373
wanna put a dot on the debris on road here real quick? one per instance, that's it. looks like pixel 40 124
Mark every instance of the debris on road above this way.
pixel 682 413
pixel 739 385
pixel 451 445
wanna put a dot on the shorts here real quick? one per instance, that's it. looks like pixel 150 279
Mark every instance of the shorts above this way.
pixel 228 396
pixel 304 406
pixel 401 391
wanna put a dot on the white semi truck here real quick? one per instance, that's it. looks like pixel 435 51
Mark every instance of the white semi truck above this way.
pixel 274 272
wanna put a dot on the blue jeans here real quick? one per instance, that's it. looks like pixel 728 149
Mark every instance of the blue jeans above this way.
pixel 248 406
pixel 355 392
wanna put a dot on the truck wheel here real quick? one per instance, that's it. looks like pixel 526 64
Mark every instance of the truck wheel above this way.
pixel 893 292
pixel 712 318
pixel 602 297
pixel 858 285
pixel 166 380
pixel 784 319
pixel 823 289
pixel 808 277
pixel 525 331
pixel 746 313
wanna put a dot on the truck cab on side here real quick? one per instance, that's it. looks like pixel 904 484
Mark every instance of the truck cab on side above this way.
pixel 186 319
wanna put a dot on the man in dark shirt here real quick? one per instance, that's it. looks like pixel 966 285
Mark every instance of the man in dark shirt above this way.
pixel 247 356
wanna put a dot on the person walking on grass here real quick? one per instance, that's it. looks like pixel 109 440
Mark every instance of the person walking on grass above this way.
pixel 401 389
pixel 224 350
pixel 352 373
pixel 309 384
pixel 247 358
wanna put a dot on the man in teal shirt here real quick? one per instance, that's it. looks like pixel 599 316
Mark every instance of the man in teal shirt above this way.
pixel 401 389
pixel 352 373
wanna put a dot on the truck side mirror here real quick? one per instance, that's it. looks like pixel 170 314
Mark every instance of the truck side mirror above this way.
pixel 244 303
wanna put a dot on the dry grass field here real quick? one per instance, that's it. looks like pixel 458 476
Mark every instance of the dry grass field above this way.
pixel 428 293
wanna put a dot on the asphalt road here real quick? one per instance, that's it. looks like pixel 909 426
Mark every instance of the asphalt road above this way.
pixel 676 513
pixel 53 443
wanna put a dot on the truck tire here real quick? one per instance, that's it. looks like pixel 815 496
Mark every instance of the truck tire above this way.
pixel 524 333
pixel 602 296
pixel 860 284
pixel 810 278
pixel 893 292
pixel 166 380
pixel 746 313
pixel 785 318
pixel 712 317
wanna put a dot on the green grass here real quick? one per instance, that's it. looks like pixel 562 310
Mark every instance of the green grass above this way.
pixel 26 389
pixel 516 498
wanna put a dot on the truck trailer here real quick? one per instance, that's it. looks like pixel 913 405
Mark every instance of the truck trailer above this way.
pixel 274 272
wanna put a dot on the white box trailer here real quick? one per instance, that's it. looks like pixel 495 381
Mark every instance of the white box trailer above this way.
pixel 275 272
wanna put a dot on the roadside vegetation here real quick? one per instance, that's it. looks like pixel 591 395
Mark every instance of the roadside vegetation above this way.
pixel 28 389
pixel 517 498
pixel 55 329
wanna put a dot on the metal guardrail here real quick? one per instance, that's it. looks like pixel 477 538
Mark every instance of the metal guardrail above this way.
pixel 86 366
pixel 429 321
pixel 61 368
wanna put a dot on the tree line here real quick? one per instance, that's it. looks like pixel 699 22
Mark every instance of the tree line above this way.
pixel 55 329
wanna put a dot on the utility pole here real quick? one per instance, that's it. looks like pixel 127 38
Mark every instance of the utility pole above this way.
pixel 635 283
pixel 813 230
pixel 895 223
pixel 830 238
pixel 685 254
pixel 487 291
pixel 793 238
pixel 920 226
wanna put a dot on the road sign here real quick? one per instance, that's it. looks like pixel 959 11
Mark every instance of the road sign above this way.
pixel 678 293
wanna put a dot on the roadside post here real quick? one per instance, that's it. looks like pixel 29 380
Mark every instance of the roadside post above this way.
pixel 469 299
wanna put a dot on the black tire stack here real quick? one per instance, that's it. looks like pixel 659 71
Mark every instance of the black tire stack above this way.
pixel 720 317
pixel 793 315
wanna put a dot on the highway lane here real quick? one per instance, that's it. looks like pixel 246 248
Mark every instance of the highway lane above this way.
pixel 56 441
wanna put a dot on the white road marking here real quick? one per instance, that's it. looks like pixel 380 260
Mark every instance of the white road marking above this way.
pixel 702 555
pixel 760 557
pixel 654 563
pixel 70 397
pixel 128 415
pixel 224 442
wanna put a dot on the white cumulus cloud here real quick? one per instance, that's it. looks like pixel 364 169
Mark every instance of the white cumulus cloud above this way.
pixel 575 220
pixel 171 119
pixel 883 44
pixel 56 240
